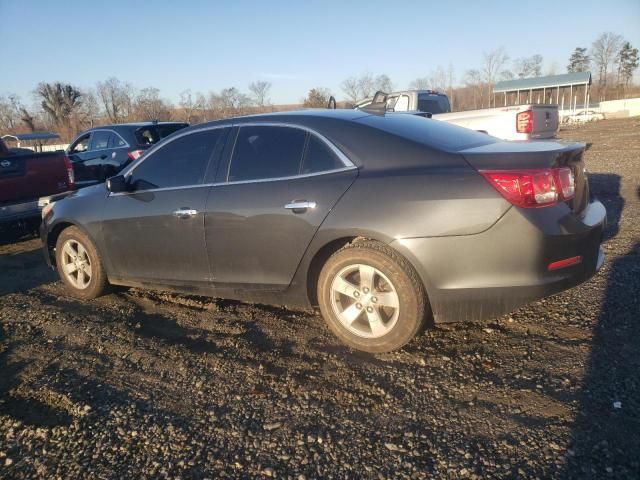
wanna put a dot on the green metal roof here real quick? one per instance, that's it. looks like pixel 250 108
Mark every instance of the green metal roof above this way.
pixel 550 81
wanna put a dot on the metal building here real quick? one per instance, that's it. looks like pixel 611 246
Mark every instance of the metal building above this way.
pixel 566 89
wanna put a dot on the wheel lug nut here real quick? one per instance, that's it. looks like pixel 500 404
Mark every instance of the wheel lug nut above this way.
pixel 356 294
pixel 374 299
pixel 370 309
pixel 358 306
pixel 365 290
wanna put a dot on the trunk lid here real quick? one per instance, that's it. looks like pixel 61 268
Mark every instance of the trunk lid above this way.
pixel 535 155
pixel 26 176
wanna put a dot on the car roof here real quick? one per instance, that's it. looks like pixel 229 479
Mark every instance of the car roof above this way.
pixel 134 125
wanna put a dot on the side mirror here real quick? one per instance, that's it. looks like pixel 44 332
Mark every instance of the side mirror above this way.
pixel 117 184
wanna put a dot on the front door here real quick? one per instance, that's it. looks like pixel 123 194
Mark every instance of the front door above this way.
pixel 155 232
pixel 281 184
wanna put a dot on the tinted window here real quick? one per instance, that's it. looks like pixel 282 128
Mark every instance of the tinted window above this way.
pixel 100 140
pixel 154 133
pixel 432 103
pixel 116 141
pixel 266 152
pixel 432 133
pixel 81 145
pixel 319 157
pixel 180 162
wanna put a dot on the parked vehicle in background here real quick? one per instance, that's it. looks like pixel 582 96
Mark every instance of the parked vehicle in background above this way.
pixel 25 177
pixel 383 221
pixel 101 152
pixel 520 122
pixel 583 116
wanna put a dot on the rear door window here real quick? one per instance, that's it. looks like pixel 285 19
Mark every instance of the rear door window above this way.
pixel 116 141
pixel 181 162
pixel 319 157
pixel 266 152
pixel 100 140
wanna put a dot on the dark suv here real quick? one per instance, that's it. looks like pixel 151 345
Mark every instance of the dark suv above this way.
pixel 101 152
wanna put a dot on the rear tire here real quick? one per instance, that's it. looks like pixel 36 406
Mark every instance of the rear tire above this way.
pixel 371 297
pixel 79 265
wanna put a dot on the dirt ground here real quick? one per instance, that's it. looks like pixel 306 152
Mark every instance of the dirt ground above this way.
pixel 139 384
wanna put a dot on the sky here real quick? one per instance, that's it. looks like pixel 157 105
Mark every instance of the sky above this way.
pixel 296 45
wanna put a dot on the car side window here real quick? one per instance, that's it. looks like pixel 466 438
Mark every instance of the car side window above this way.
pixel 116 141
pixel 81 145
pixel 319 157
pixel 181 162
pixel 263 152
pixel 100 140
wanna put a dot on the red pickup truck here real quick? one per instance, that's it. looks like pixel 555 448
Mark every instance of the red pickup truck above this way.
pixel 25 177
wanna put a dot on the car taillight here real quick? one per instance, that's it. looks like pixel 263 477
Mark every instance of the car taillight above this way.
pixel 533 188
pixel 524 122
pixel 70 176
pixel 135 154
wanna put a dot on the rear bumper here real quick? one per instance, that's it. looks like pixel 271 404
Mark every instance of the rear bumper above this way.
pixel 29 209
pixel 19 211
pixel 476 277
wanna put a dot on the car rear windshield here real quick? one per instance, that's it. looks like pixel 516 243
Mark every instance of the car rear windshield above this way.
pixel 433 103
pixel 432 133
pixel 152 134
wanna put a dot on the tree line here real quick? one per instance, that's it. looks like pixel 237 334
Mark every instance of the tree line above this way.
pixel 67 108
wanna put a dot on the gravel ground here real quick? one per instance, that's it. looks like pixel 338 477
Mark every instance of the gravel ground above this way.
pixel 140 384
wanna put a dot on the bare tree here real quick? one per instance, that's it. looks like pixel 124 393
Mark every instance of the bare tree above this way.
pixel 201 101
pixel 492 65
pixel 384 83
pixel 366 85
pixel 450 80
pixel 149 105
pixel 603 52
pixel 260 93
pixel 317 98
pixel 351 89
pixel 229 102
pixel 60 103
pixel 116 98
pixel 189 104
pixel 473 80
pixel 10 112
pixel 528 66
pixel 422 83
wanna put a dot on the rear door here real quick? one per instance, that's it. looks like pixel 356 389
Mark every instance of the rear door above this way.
pixel 156 231
pixel 280 184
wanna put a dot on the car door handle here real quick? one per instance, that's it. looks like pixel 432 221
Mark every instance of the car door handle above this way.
pixel 300 206
pixel 102 157
pixel 185 213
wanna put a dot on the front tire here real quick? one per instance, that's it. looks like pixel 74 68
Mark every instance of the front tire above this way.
pixel 371 297
pixel 79 265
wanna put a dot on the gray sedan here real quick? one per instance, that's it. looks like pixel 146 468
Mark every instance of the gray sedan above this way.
pixel 386 222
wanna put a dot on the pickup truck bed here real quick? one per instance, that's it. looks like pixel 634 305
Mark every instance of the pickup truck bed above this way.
pixel 26 177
